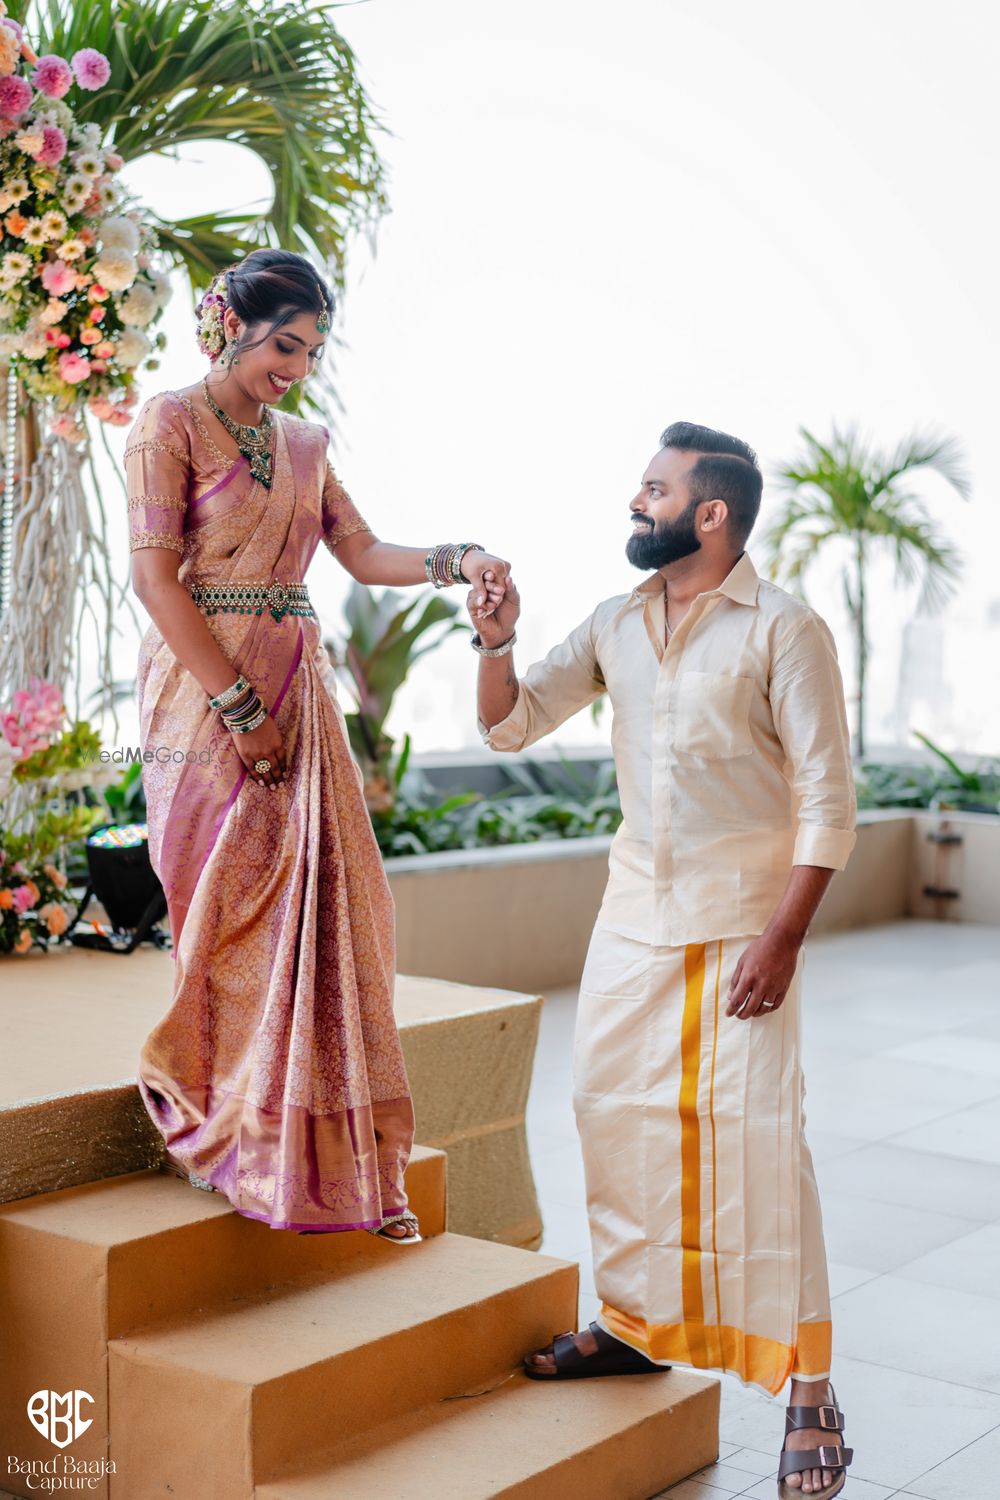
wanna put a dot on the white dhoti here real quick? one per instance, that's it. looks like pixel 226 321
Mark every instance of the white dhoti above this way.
pixel 704 1213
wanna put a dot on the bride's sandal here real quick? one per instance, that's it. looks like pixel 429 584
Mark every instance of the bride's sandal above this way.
pixel 829 1456
pixel 406 1217
pixel 170 1165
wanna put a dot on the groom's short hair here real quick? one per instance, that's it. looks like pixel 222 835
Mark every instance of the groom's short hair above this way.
pixel 728 470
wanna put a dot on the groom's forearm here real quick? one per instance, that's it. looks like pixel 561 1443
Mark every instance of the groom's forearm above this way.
pixel 497 688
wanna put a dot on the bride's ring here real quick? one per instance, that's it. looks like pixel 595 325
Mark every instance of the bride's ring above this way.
pixel 262 766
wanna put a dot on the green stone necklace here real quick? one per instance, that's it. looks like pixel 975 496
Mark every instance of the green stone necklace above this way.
pixel 253 442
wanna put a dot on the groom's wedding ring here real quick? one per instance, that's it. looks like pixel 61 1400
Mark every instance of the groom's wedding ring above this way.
pixel 262 766
pixel 767 1005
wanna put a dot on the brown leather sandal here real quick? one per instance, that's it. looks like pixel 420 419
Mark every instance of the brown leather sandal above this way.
pixel 829 1456
pixel 613 1357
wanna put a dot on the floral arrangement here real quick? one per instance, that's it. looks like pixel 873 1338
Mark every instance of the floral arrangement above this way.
pixel 36 747
pixel 79 292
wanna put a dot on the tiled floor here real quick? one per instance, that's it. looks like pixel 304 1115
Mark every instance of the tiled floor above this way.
pixel 902 1062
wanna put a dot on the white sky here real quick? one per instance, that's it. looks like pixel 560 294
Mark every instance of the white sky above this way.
pixel 609 217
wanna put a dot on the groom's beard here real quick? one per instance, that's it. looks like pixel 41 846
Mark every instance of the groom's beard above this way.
pixel 666 543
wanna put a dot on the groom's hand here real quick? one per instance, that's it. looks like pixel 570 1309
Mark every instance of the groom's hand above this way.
pixel 496 628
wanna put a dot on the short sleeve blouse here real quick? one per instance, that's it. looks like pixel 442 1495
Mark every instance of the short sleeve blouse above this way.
pixel 158 474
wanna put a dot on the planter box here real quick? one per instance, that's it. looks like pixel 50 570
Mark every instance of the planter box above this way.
pixel 520 916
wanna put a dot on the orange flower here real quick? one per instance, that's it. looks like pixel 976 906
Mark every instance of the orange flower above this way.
pixel 16 223
pixel 54 916
pixel 24 942
pixel 35 892
pixel 6 900
pixel 56 876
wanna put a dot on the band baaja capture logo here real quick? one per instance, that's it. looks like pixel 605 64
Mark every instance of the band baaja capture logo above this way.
pixel 59 1418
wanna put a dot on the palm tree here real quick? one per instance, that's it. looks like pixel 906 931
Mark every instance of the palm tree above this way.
pixel 845 491
pixel 274 77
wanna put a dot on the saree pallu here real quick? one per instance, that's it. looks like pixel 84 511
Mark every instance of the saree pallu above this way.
pixel 277 1073
pixel 704 1212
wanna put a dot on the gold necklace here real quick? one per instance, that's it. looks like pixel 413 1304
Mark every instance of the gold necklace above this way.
pixel 253 442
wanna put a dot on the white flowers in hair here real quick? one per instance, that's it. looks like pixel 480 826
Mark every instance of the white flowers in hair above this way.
pixel 209 313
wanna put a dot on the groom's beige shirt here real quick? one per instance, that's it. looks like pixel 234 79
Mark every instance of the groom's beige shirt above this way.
pixel 731 745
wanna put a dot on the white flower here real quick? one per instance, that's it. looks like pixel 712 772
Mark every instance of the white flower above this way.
pixel 72 249
pixel 133 346
pixel 139 307
pixel 108 194
pixel 10 343
pixel 76 184
pixel 115 270
pixel 119 233
pixel 58 112
pixel 18 188
pixel 34 344
pixel 162 290
pixel 16 265
pixel 88 163
pixel 34 232
pixel 88 136
pixel 7 279
pixel 53 312
pixel 29 141
pixel 55 224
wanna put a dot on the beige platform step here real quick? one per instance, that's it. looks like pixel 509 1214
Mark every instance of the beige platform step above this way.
pixel 88 1263
pixel 289 1371
pixel 625 1438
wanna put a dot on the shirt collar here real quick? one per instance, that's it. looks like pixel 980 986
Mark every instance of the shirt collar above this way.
pixel 740 583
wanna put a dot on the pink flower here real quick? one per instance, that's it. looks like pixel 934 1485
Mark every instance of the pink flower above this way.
pixel 101 407
pixel 15 94
pixel 100 365
pixel 120 417
pixel 73 368
pixel 53 75
pixel 90 335
pixel 97 292
pixel 24 897
pixel 63 340
pixel 58 278
pixel 98 314
pixel 53 147
pixel 91 67
pixel 104 349
pixel 113 161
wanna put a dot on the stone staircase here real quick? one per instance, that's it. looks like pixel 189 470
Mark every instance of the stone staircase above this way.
pixel 229 1361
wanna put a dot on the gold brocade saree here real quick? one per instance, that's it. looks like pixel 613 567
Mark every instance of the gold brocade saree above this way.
pixel 277 1073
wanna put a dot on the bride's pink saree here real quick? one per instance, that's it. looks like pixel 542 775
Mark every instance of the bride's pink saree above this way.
pixel 277 1073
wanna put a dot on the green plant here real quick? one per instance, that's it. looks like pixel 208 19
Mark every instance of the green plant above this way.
pixel 539 805
pixel 377 656
pixel 845 493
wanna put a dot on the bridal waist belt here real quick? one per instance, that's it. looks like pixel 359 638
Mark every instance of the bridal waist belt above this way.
pixel 253 598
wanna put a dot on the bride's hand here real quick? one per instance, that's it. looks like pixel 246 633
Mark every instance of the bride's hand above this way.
pixel 488 576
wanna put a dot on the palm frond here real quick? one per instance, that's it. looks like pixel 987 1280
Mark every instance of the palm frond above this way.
pixel 276 78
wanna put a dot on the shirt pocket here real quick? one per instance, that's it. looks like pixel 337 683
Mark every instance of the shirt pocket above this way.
pixel 712 715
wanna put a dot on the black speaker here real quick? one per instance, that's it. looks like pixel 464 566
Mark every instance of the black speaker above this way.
pixel 123 880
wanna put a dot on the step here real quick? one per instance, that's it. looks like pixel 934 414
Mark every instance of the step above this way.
pixel 89 1263
pixel 289 1371
pixel 626 1438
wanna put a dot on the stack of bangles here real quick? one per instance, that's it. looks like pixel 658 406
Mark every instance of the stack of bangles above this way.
pixel 443 563
pixel 240 707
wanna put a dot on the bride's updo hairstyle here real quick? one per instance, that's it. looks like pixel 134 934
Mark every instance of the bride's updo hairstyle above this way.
pixel 267 287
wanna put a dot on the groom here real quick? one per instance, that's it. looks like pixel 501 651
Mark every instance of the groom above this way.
pixel 733 757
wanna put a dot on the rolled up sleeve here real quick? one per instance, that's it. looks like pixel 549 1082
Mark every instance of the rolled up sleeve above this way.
pixel 810 716
pixel 551 690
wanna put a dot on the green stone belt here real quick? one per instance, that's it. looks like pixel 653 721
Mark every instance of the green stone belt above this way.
pixel 253 598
